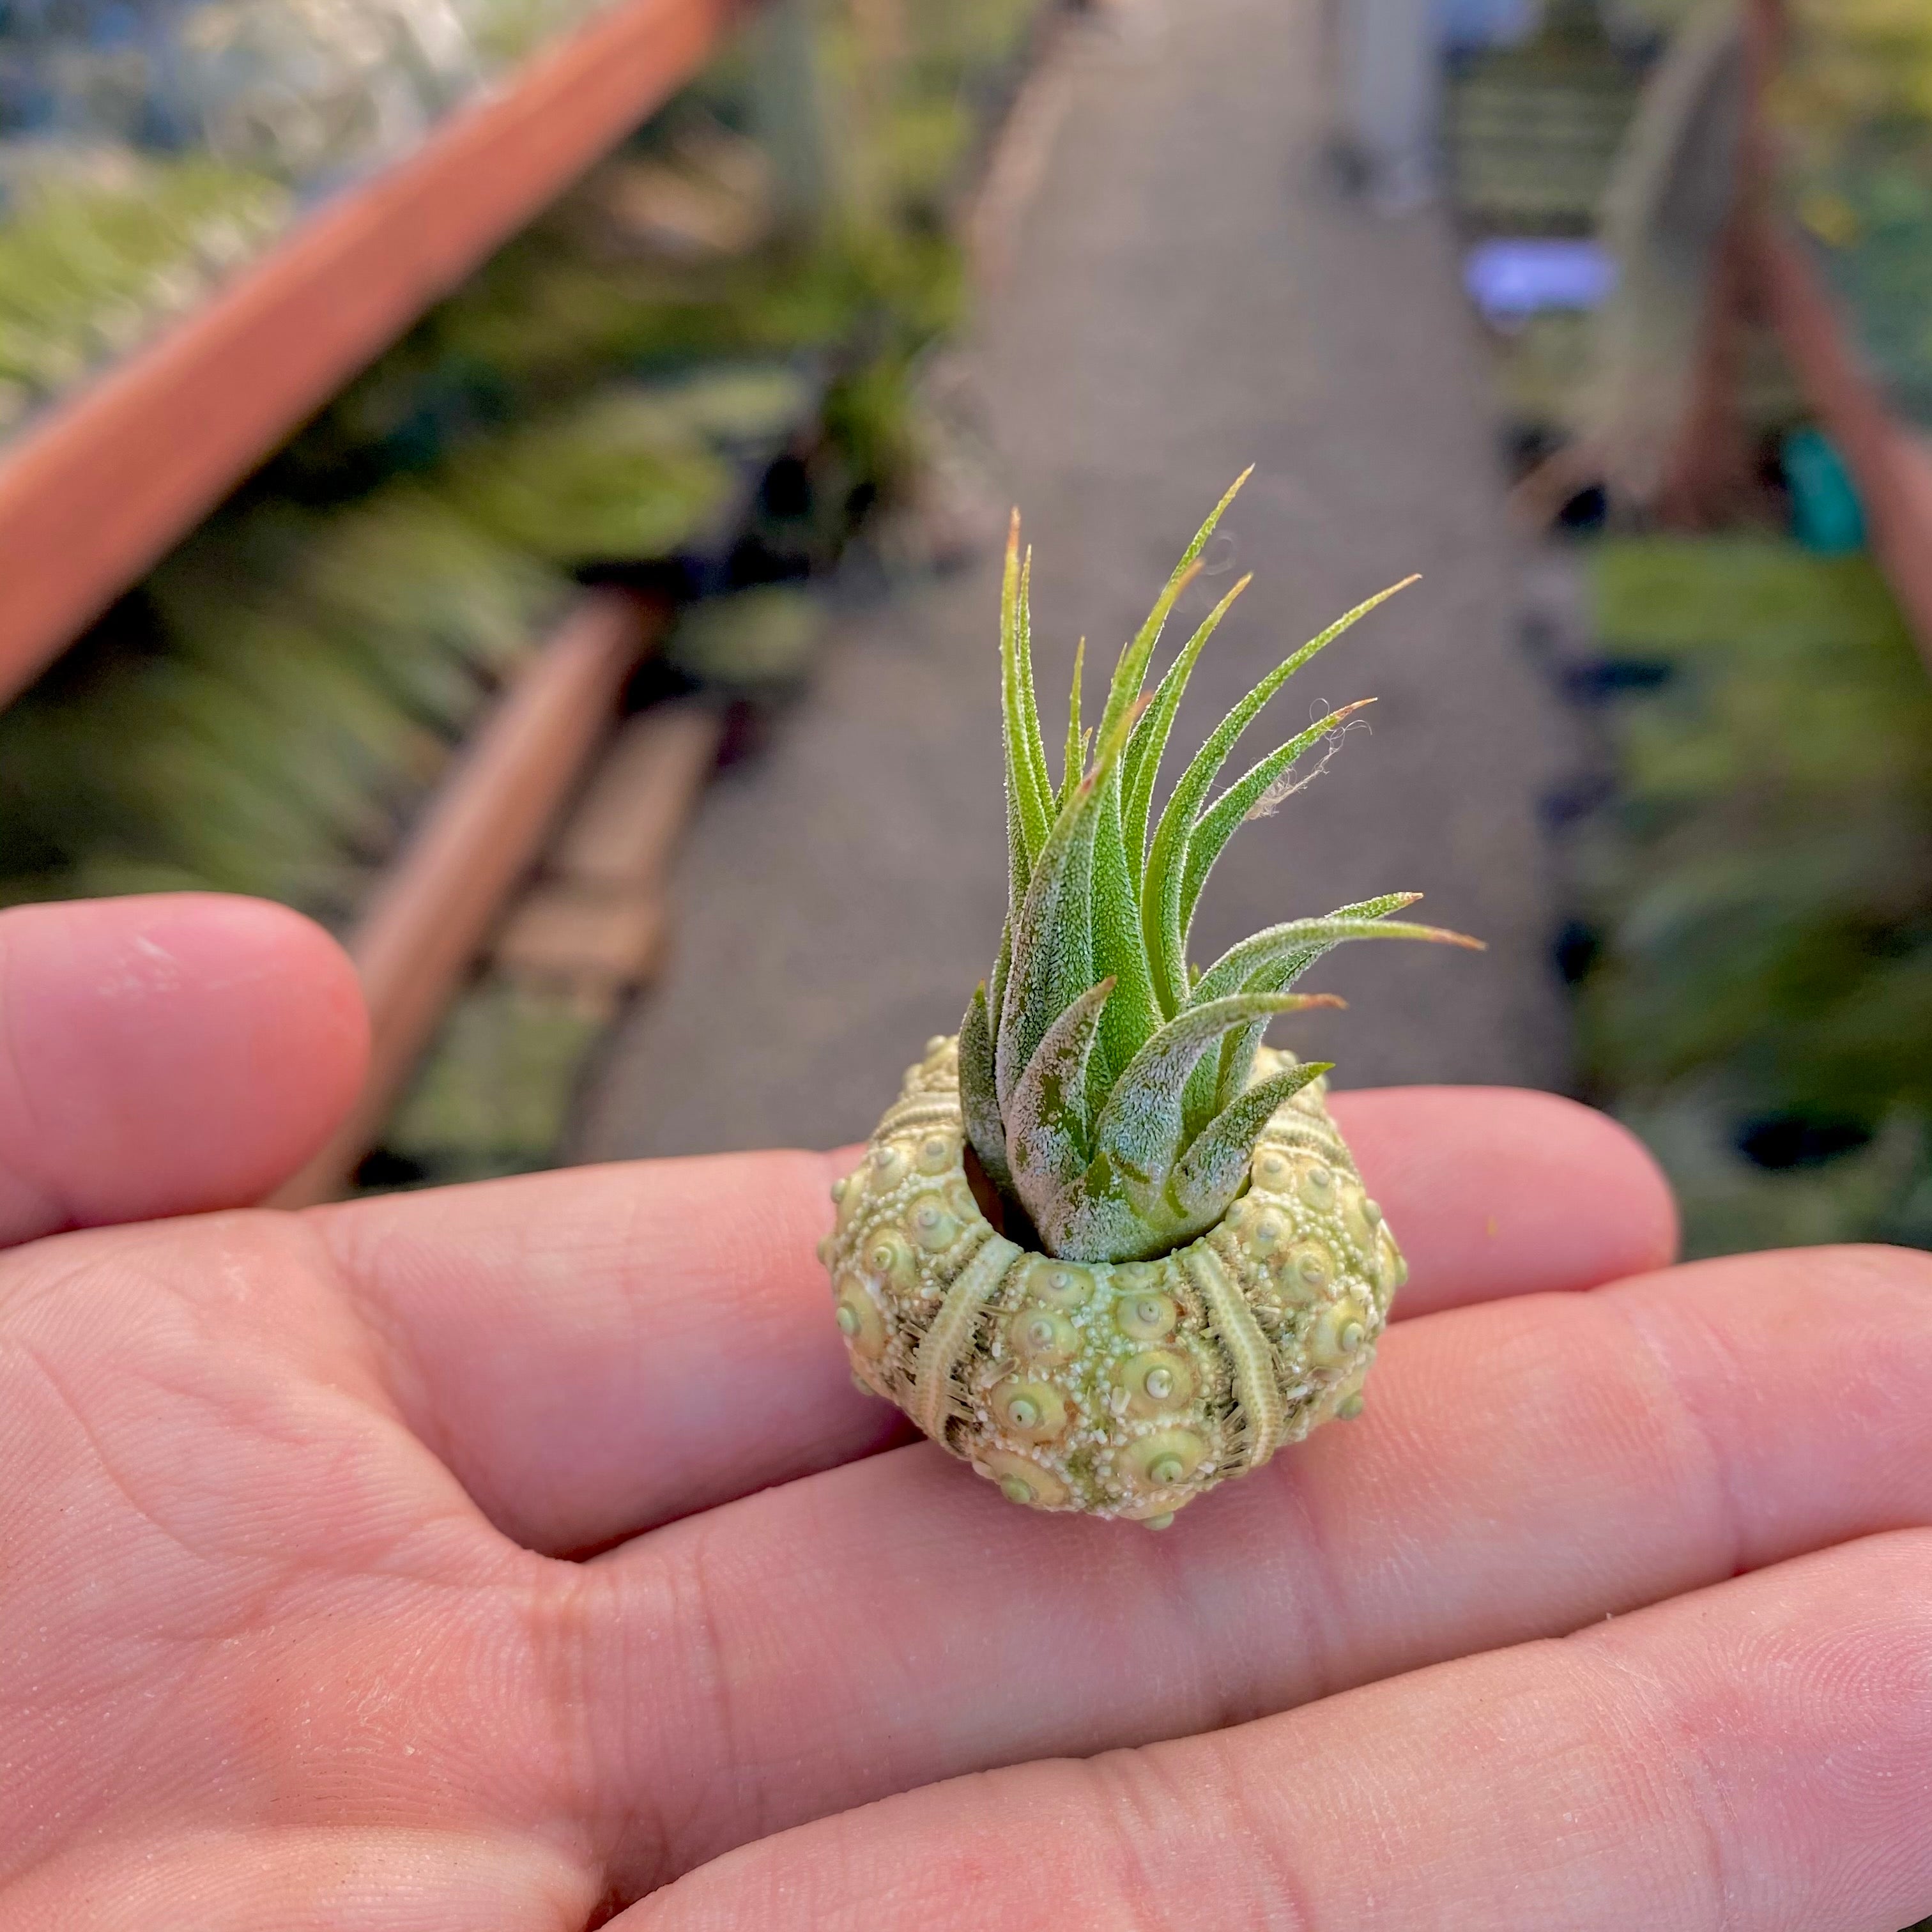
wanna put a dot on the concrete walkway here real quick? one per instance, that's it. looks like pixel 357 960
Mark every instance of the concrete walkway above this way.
pixel 1186 294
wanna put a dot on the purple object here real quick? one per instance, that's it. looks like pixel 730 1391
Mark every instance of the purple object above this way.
pixel 1510 281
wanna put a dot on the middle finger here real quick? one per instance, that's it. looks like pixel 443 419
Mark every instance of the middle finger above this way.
pixel 595 1352
pixel 1525 1468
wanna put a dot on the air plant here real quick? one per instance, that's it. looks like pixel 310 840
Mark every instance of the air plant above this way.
pixel 1108 1245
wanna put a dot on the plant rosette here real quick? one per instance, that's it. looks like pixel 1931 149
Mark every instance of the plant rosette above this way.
pixel 1107 1246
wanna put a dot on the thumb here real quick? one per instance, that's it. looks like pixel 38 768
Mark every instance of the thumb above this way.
pixel 161 1055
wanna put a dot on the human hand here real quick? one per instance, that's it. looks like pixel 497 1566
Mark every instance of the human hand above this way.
pixel 299 1628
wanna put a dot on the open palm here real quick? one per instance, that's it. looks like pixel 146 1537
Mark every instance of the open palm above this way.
pixel 515 1556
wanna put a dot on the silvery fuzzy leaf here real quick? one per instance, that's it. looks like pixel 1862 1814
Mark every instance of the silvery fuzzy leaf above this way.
pixel 1209 1174
pixel 1046 1117
pixel 979 1099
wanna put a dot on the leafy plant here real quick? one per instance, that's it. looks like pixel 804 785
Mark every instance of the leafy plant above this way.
pixel 1106 1084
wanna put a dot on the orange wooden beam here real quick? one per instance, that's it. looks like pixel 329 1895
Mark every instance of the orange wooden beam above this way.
pixel 1891 461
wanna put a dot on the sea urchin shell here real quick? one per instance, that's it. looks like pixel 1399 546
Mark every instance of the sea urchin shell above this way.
pixel 1119 1389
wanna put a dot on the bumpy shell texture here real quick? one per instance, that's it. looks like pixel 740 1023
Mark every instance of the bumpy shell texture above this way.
pixel 1119 1389
pixel 1208 1278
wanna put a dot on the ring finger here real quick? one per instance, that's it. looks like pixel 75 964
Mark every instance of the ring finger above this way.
pixel 1751 1759
pixel 1524 1468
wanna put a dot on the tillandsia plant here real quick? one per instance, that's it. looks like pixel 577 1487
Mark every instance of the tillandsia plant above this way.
pixel 1107 1245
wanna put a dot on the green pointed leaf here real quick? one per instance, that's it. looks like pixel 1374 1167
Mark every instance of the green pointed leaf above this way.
pixel 1095 1220
pixel 1053 945
pixel 1130 672
pixel 1296 946
pixel 1035 747
pixel 1029 818
pixel 1271 962
pixel 1046 1113
pixel 1075 762
pixel 1161 888
pixel 978 1100
pixel 1132 1017
pixel 1140 768
pixel 1240 802
pixel 1222 1077
pixel 1283 966
pixel 1209 1174
pixel 996 988
pixel 1053 937
pixel 1139 1128
pixel 1166 938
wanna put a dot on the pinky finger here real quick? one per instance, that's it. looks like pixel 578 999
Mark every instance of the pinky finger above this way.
pixel 1756 1757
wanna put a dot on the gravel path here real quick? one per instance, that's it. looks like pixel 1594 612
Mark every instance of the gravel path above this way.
pixel 1184 294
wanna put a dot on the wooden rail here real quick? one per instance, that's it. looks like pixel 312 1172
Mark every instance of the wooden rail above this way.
pixel 1891 462
pixel 429 917
pixel 91 495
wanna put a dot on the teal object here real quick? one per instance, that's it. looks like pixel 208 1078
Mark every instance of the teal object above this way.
pixel 1826 515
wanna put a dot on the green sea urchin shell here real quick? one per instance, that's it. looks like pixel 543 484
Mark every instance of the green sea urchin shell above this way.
pixel 1121 1389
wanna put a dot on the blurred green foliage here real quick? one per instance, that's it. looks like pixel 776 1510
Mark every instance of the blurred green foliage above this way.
pixel 568 305
pixel 98 249
pixel 495 1087
pixel 264 716
pixel 754 643
pixel 1760 888
pixel 614 477
pixel 1531 131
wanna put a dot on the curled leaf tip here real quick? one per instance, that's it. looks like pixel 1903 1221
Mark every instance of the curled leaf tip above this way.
pixel 1434 935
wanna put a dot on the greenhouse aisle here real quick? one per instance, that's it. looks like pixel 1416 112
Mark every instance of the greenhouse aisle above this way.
pixel 1184 293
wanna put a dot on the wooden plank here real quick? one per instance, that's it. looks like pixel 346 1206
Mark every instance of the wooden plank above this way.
pixel 596 944
pixel 621 836
pixel 1891 463
pixel 427 919
pixel 93 494
pixel 594 923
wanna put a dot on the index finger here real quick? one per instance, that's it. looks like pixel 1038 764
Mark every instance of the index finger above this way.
pixel 1494 1192
pixel 596 1351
